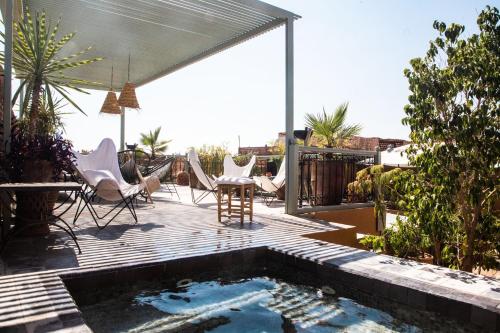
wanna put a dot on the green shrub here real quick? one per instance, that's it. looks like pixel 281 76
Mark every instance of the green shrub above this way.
pixel 374 243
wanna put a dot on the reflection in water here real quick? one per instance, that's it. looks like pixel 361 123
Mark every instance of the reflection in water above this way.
pixel 259 305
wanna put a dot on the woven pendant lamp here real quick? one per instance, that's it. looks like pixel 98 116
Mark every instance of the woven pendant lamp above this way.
pixel 128 98
pixel 110 105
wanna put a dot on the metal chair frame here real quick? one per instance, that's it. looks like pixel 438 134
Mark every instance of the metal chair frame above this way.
pixel 88 194
pixel 205 193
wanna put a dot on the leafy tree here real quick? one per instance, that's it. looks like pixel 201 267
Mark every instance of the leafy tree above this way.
pixel 151 140
pixel 454 117
pixel 427 208
pixel 37 63
pixel 331 128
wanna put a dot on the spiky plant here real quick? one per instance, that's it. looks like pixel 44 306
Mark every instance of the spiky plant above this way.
pixel 38 66
pixel 331 127
pixel 152 142
pixel 49 120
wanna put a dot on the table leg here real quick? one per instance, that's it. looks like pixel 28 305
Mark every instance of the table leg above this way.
pixel 229 199
pixel 242 203
pixel 219 203
pixel 252 189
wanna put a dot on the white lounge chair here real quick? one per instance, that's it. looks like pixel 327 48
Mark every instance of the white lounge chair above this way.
pixel 272 186
pixel 101 175
pixel 233 170
pixel 209 183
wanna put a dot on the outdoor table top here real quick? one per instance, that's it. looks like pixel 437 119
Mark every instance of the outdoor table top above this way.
pixel 42 187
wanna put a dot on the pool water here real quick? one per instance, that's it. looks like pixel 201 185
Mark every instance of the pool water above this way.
pixel 248 305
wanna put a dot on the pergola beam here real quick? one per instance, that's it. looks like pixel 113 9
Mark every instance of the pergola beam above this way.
pixel 219 48
pixel 162 36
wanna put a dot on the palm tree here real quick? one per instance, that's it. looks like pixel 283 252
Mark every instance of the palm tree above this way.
pixel 41 70
pixel 331 128
pixel 151 141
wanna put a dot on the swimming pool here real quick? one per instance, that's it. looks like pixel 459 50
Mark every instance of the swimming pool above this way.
pixel 259 304
pixel 255 290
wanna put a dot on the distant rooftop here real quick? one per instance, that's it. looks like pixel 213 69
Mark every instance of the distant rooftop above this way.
pixel 360 142
pixel 365 143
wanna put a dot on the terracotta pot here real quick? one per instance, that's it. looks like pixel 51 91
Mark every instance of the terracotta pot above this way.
pixel 34 207
pixel 182 178
pixel 426 259
pixel 327 182
pixel 52 199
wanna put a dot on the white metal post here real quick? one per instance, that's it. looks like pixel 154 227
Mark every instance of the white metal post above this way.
pixel 122 129
pixel 7 88
pixel 291 170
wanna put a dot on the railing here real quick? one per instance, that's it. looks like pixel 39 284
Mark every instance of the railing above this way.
pixel 324 174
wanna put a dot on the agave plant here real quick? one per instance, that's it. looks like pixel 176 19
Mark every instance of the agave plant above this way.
pixel 49 120
pixel 331 128
pixel 38 66
pixel 151 140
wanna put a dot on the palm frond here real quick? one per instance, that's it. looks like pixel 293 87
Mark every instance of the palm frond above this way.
pixel 331 128
pixel 35 60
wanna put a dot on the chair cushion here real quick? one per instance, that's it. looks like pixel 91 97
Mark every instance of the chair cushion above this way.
pixel 225 180
pixel 94 177
pixel 153 183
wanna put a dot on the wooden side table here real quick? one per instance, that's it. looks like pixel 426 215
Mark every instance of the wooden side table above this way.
pixel 226 185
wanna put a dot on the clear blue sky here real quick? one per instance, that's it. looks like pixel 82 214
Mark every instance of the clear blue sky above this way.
pixel 352 51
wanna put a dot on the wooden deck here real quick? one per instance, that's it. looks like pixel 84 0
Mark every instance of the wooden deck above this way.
pixel 166 230
pixel 33 295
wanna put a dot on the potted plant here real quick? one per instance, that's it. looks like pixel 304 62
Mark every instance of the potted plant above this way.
pixel 326 172
pixel 37 158
pixel 153 143
pixel 38 154
pixel 374 183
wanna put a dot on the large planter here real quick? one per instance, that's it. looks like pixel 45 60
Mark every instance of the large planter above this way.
pixel 327 182
pixel 182 178
pixel 34 207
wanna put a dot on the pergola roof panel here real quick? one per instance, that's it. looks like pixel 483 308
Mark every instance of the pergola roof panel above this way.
pixel 161 36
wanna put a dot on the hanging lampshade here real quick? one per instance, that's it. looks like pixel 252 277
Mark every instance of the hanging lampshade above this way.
pixel 127 97
pixel 110 105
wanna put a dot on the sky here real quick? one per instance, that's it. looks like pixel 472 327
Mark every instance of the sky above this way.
pixel 345 51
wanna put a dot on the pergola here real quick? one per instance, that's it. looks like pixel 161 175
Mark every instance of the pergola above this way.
pixel 160 36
